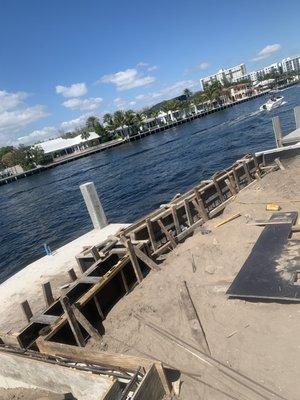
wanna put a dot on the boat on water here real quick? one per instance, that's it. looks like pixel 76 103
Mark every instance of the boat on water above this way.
pixel 273 102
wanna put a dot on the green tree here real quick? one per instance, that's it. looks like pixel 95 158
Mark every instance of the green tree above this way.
pixel 188 93
pixel 85 135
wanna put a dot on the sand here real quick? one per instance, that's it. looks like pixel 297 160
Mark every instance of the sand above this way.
pixel 29 394
pixel 256 338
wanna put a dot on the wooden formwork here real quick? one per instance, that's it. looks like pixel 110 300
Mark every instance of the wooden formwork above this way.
pixel 112 268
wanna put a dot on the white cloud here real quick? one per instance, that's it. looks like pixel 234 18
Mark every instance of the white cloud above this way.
pixel 267 51
pixel 38 135
pixel 14 120
pixel 75 90
pixel 122 104
pixel 83 104
pixel 168 92
pixel 11 100
pixel 128 79
pixel 199 67
pixel 74 123
pixel 152 68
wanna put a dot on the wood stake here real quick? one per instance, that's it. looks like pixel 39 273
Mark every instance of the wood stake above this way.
pixel 133 259
pixel 72 275
pixel 99 309
pixel 176 220
pixel 86 324
pixel 147 260
pixel 168 234
pixel 95 253
pixel 151 234
pixel 231 187
pixel 26 310
pixel 124 281
pixel 72 321
pixel 202 209
pixel 219 191
pixel 188 212
pixel 245 165
pixel 48 295
pixel 193 318
pixel 236 179
pixel 279 163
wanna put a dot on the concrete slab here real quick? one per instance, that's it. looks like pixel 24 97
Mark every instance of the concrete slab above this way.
pixel 284 152
pixel 292 137
pixel 21 372
pixel 27 283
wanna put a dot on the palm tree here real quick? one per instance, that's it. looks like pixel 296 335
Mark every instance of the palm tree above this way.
pixel 188 93
pixel 213 92
pixel 108 119
pixel 85 135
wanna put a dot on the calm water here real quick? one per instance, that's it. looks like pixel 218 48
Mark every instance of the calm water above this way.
pixel 132 179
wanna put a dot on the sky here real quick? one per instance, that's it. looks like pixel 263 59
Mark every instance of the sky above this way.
pixel 63 60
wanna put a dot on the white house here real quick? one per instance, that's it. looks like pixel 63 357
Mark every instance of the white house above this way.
pixel 61 146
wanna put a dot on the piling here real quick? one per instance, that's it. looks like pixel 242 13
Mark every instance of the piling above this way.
pixel 277 131
pixel 93 205
pixel 297 116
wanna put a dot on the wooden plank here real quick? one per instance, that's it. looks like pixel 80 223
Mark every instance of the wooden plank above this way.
pixel 218 189
pixel 26 310
pixel 193 318
pixel 130 385
pixel 99 309
pixel 188 212
pixel 175 219
pixel 95 253
pixel 151 387
pixel 90 279
pixel 151 234
pixel 245 165
pixel 80 354
pixel 86 324
pixel 72 275
pixel 134 260
pixel 236 179
pixel 202 209
pixel 45 319
pixel 123 277
pixel 72 321
pixel 168 234
pixel 147 260
pixel 231 218
pixel 47 293
pixel 231 187
pixel 279 163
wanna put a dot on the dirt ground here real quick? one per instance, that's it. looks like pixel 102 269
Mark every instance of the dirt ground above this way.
pixel 256 338
pixel 28 394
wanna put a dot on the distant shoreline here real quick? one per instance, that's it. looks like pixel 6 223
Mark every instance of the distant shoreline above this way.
pixel 119 142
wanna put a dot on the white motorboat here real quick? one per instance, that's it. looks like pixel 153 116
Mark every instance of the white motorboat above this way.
pixel 273 102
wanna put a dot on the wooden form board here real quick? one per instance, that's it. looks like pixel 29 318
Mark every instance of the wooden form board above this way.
pixel 182 216
pixel 114 276
pixel 270 270
pixel 190 210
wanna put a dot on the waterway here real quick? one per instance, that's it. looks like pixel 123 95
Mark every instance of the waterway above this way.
pixel 132 179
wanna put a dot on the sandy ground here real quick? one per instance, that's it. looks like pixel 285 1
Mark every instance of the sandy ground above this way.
pixel 256 338
pixel 29 394
pixel 27 283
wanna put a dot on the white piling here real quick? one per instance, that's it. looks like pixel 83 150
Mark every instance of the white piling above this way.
pixel 93 205
pixel 297 116
pixel 277 131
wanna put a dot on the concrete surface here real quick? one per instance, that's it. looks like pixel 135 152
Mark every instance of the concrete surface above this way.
pixel 26 284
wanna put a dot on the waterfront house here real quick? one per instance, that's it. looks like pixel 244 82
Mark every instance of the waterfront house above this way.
pixel 60 147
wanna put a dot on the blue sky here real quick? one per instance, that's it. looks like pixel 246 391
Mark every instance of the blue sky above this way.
pixel 62 60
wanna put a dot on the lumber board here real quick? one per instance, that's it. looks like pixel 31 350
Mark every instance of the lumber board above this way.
pixel 72 321
pixel 45 319
pixel 80 354
pixel 134 260
pixel 151 387
pixel 193 318
pixel 94 334
pixel 147 260
pixel 47 293
pixel 168 234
